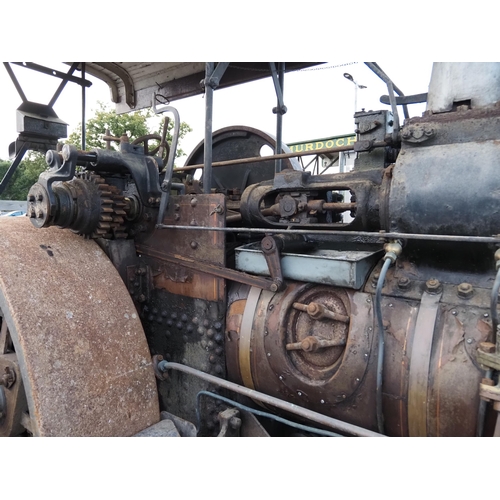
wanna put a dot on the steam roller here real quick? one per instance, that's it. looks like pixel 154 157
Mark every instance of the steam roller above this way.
pixel 74 359
pixel 262 298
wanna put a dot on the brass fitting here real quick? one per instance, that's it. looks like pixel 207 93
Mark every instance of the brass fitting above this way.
pixel 393 250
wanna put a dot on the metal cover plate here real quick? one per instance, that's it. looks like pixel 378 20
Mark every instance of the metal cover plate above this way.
pixel 345 267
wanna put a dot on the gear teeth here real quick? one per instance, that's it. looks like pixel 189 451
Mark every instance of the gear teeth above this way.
pixel 111 220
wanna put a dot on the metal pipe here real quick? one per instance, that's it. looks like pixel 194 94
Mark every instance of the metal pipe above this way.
pixel 270 400
pixel 84 128
pixel 392 98
pixel 207 150
pixel 330 232
pixel 179 186
pixel 259 413
pixel 169 169
pixel 383 76
pixel 257 159
pixel 494 302
pixel 380 355
pixel 280 109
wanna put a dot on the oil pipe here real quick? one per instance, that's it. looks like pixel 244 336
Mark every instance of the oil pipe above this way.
pixel 393 251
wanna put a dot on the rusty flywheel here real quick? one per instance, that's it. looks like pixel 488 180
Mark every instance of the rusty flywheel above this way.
pixel 70 334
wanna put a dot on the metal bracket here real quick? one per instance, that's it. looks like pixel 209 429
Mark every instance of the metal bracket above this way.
pixel 203 267
pixel 230 423
pixel 41 197
pixel 271 248
pixel 214 78
pixel 281 108
pixel 140 282
pixel 419 364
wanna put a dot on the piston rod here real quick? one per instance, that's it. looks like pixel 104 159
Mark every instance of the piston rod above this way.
pixel 368 234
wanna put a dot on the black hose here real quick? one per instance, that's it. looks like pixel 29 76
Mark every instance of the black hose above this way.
pixel 307 428
pixel 493 303
pixel 300 411
pixel 380 356
pixel 489 373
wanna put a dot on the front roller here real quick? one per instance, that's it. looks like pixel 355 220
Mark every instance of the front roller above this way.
pixel 71 336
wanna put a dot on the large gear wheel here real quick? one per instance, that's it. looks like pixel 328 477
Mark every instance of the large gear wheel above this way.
pixel 86 204
pixel 112 209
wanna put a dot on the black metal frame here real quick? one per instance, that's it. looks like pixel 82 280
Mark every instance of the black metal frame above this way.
pixel 26 144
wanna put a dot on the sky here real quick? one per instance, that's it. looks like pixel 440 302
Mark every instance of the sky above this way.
pixel 320 101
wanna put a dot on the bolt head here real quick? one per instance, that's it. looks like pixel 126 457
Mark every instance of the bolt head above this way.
pixel 433 285
pixel 465 290
pixel 404 283
pixel 235 423
pixel 487 347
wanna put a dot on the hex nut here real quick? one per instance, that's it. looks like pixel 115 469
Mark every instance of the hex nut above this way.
pixel 433 285
pixel 487 347
pixel 465 290
pixel 404 283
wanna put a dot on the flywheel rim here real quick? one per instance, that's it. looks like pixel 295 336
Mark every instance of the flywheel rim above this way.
pixel 83 356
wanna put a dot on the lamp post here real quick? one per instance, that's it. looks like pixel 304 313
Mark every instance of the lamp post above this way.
pixel 356 87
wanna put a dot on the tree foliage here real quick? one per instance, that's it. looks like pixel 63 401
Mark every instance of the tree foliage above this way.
pixel 24 177
pixel 135 125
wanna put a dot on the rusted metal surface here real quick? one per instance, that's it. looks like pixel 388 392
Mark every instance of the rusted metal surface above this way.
pixel 454 374
pixel 245 337
pixel 419 367
pixel 173 245
pixel 12 388
pixel 250 426
pixel 184 315
pixel 230 423
pixel 275 402
pixel 83 355
pixel 332 381
pixel 209 270
pixel 431 375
